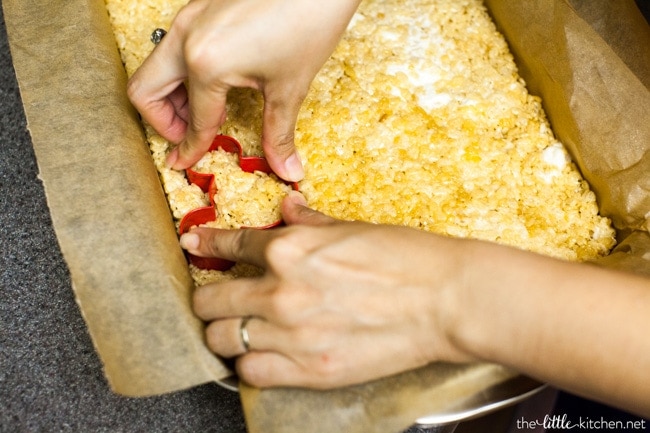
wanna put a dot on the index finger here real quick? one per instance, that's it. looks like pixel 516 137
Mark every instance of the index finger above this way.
pixel 242 245
pixel 207 112
pixel 153 87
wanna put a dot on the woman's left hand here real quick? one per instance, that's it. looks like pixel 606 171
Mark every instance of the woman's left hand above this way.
pixel 339 302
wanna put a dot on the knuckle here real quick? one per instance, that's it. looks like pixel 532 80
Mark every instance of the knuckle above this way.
pixel 213 336
pixel 241 239
pixel 277 248
pixel 199 300
pixel 288 303
pixel 250 372
pixel 285 140
pixel 186 16
pixel 196 54
pixel 188 147
pixel 133 90
pixel 199 134
pixel 141 98
pixel 282 305
pixel 194 146
pixel 282 143
pixel 286 245
pixel 199 54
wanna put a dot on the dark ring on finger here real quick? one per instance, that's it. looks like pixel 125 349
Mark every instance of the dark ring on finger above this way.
pixel 157 35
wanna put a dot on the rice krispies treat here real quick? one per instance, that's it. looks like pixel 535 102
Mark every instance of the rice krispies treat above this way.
pixel 244 199
pixel 439 134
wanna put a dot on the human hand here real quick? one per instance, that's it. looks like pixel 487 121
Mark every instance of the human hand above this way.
pixel 339 303
pixel 275 46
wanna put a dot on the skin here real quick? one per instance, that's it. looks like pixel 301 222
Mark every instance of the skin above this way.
pixel 346 302
pixel 339 305
pixel 214 45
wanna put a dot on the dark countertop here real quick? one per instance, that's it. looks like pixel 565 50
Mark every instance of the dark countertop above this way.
pixel 51 379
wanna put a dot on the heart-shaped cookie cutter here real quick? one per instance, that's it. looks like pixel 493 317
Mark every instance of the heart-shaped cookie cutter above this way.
pixel 206 182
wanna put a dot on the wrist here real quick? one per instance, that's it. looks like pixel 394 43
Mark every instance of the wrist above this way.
pixel 474 304
pixel 451 289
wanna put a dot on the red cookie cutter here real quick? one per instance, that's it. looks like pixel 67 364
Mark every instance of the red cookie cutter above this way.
pixel 206 182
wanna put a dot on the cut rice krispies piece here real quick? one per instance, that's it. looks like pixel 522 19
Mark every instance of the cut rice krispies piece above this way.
pixel 243 199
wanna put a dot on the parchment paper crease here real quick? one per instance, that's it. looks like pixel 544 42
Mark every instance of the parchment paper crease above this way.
pixel 589 60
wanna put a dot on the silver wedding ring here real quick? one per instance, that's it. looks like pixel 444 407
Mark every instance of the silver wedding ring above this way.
pixel 243 333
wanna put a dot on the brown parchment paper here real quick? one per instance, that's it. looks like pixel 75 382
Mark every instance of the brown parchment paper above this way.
pixel 587 59
pixel 109 212
pixel 595 92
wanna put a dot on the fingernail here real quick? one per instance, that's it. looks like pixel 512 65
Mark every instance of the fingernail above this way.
pixel 293 168
pixel 189 241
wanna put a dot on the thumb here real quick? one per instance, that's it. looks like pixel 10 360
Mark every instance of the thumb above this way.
pixel 207 112
pixel 296 211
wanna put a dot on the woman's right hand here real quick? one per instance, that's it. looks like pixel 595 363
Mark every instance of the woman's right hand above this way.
pixel 276 46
